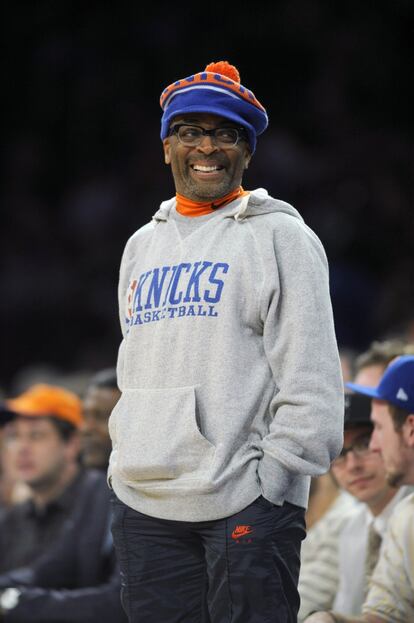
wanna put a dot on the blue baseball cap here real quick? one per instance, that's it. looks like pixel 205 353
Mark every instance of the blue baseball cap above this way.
pixel 396 385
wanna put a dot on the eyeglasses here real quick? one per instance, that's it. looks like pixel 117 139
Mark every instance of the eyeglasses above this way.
pixel 192 135
pixel 360 448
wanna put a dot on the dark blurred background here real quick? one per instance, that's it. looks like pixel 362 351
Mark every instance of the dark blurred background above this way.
pixel 82 165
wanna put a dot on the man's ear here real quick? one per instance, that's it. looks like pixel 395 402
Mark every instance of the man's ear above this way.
pixel 409 430
pixel 73 447
pixel 167 150
pixel 247 158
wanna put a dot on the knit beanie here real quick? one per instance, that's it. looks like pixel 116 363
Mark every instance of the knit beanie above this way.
pixel 216 90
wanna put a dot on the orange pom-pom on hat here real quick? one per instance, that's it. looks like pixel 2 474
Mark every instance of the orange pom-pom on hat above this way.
pixel 225 69
pixel 216 90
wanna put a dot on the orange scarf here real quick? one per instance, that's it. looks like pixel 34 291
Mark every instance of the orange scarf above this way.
pixel 187 207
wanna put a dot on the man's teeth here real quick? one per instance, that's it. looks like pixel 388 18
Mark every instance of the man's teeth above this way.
pixel 200 167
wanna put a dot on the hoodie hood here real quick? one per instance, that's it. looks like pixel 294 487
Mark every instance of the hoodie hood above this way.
pixel 256 203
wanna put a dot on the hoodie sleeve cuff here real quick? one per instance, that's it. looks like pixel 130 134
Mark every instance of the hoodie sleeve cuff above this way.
pixel 274 479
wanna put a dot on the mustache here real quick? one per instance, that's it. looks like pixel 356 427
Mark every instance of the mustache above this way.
pixel 208 160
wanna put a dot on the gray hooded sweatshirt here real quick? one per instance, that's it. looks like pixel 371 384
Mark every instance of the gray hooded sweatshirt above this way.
pixel 229 369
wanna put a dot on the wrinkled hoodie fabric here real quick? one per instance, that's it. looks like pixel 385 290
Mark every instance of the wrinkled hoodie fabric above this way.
pixel 229 369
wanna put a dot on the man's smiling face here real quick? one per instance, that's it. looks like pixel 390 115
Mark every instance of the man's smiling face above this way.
pixel 207 171
pixel 362 476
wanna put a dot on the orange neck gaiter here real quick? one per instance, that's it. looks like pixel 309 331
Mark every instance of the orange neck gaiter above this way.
pixel 187 207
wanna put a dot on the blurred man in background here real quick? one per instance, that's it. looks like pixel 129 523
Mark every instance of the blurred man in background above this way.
pixel 100 398
pixel 390 596
pixel 326 573
pixel 372 363
pixel 41 436
pixel 77 579
pixel 361 471
pixel 12 490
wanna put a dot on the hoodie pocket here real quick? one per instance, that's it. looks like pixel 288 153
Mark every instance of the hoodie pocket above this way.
pixel 158 437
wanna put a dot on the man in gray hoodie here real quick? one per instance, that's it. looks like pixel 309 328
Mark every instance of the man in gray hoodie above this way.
pixel 231 386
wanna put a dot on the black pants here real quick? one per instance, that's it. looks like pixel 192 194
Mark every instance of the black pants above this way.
pixel 241 569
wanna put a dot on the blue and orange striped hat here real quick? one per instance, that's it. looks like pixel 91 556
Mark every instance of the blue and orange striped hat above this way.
pixel 216 90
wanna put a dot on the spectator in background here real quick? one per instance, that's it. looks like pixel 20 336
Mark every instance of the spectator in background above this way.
pixel 12 490
pixel 42 441
pixel 390 596
pixel 371 364
pixel 322 568
pixel 361 538
pixel 100 398
pixel 361 472
pixel 77 580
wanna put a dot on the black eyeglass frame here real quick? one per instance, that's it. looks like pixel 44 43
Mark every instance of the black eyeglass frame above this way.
pixel 360 452
pixel 241 133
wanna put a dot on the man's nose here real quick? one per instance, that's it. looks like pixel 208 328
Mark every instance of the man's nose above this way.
pixel 373 443
pixel 23 445
pixel 207 145
pixel 352 460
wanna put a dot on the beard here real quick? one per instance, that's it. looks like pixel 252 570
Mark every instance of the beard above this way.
pixel 199 191
pixel 395 479
pixel 398 463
